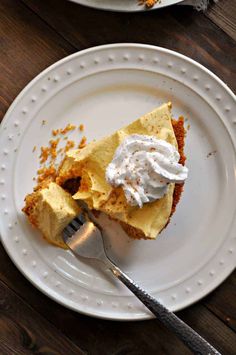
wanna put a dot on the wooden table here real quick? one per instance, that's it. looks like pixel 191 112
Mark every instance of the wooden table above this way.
pixel 35 34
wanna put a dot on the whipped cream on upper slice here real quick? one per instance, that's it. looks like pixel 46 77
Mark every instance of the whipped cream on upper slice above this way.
pixel 144 166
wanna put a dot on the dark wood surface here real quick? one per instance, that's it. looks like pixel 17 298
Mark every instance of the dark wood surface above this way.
pixel 35 34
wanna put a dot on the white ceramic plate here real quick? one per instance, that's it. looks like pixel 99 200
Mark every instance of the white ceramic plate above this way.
pixel 123 5
pixel 105 88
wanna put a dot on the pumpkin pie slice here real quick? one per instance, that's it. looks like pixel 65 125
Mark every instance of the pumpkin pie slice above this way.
pixel 90 164
pixel 82 176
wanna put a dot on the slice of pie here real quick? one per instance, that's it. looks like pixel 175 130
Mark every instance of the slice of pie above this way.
pixel 83 174
pixel 50 209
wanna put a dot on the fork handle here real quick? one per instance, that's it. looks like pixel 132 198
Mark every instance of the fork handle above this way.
pixel 192 339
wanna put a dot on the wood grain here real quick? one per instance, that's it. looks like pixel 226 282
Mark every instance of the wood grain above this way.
pixel 24 331
pixel 95 336
pixel 179 28
pixel 33 35
pixel 27 47
pixel 223 14
pixel 222 302
pixel 134 337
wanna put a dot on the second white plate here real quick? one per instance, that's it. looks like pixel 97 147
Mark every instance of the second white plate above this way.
pixel 124 5
pixel 105 88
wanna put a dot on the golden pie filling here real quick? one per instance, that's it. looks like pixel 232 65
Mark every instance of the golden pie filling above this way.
pixel 51 208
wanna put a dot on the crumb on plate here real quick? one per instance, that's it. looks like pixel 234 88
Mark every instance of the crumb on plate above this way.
pixel 82 143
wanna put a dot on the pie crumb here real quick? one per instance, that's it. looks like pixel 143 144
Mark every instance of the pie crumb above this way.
pixel 148 3
pixel 82 143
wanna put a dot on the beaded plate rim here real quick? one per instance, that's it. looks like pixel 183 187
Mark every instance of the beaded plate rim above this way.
pixel 115 56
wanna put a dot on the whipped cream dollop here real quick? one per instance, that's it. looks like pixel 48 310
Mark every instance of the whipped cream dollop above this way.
pixel 144 166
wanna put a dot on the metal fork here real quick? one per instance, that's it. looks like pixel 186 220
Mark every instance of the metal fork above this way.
pixel 84 238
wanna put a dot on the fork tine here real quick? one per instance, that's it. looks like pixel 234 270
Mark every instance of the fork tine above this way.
pixel 81 218
pixel 69 230
pixel 66 234
pixel 75 224
pixel 77 219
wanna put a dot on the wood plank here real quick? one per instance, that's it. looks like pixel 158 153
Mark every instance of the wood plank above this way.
pixel 178 28
pixel 223 14
pixel 33 46
pixel 208 45
pixel 98 336
pixel 24 331
pixel 27 47
pixel 199 319
pixel 95 336
pixel 222 301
